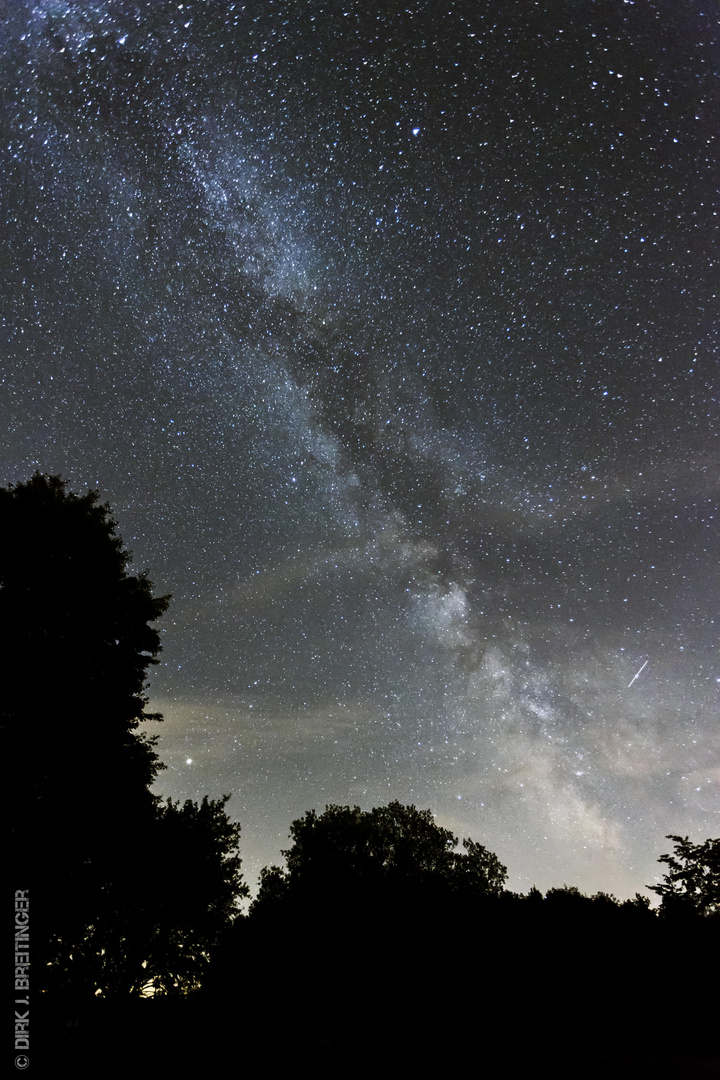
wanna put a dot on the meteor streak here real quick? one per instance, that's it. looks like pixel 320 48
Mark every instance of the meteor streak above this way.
pixel 638 673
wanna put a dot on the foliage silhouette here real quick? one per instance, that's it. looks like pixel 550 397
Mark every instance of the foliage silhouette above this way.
pixel 395 850
pixel 170 909
pixel 104 860
pixel 693 884
pixel 370 917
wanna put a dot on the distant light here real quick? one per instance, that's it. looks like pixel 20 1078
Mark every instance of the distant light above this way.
pixel 188 761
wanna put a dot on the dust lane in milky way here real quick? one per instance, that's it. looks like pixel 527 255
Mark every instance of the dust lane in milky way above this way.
pixel 390 337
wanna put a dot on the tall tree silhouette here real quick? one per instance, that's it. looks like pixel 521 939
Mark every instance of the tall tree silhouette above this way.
pixel 85 827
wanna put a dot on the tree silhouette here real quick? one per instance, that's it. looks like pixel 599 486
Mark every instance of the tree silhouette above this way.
pixel 390 847
pixel 169 910
pixel 77 646
pixel 106 864
pixel 693 883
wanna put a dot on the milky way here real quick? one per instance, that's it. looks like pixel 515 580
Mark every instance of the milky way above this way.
pixel 389 335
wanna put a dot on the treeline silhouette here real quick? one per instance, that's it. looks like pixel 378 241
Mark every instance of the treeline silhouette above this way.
pixel 381 947
pixel 378 942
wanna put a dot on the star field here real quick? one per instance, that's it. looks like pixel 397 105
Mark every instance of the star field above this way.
pixel 390 335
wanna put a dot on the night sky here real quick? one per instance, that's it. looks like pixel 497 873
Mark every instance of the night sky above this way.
pixel 389 333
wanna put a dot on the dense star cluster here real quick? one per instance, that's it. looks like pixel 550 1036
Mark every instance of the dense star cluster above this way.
pixel 389 332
